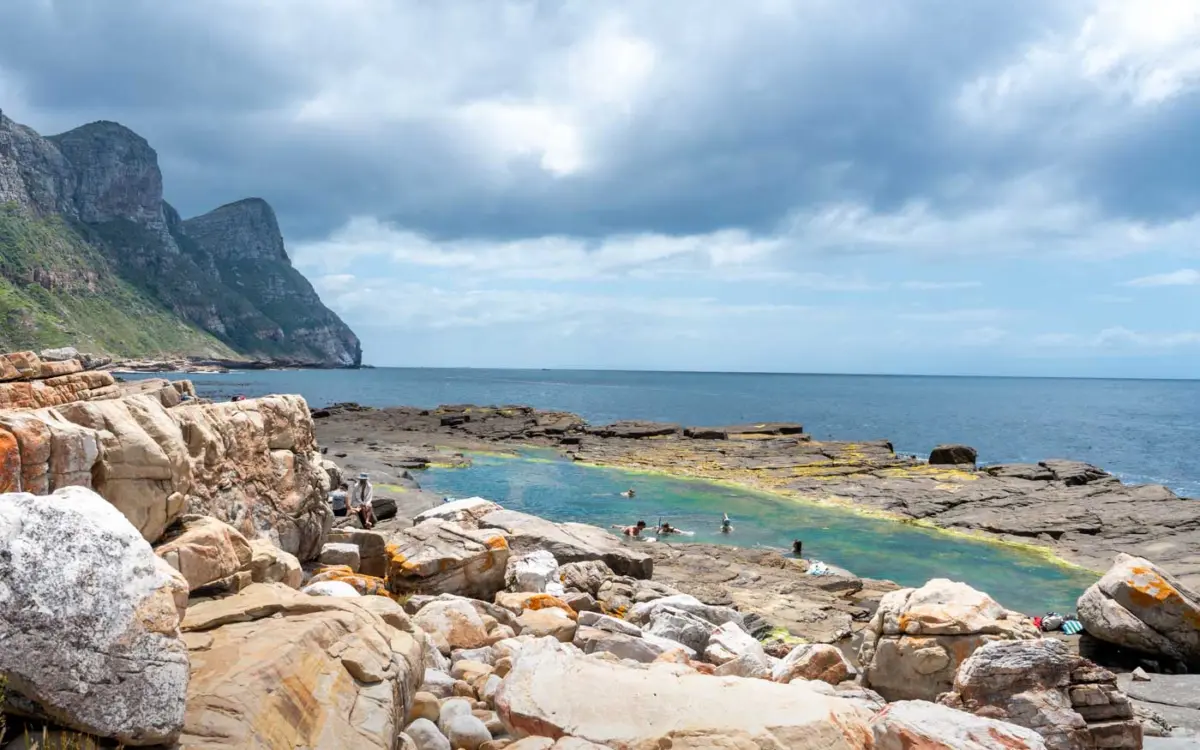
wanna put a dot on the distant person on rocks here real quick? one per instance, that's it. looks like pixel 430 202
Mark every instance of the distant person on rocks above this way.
pixel 726 524
pixel 337 499
pixel 361 495
pixel 632 531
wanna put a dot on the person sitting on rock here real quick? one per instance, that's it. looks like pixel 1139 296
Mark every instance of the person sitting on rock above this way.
pixel 337 499
pixel 631 531
pixel 361 495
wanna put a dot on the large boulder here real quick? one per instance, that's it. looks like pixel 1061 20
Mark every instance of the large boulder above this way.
pixel 569 542
pixel 917 638
pixel 813 661
pixel 465 512
pixel 372 549
pixel 205 550
pixel 269 564
pixel 454 623
pixel 919 725
pixel 1042 686
pixel 715 615
pixel 953 455
pixel 437 557
pixel 90 619
pixel 554 691
pixel 533 571
pixel 1138 605
pixel 272 667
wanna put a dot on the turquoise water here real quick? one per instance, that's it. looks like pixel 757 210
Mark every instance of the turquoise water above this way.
pixel 563 491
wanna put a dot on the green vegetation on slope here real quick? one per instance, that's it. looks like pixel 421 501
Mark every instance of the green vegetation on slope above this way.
pixel 56 290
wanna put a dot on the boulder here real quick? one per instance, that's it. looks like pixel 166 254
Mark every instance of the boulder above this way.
pixel 455 621
pixel 340 553
pixel 554 691
pixel 372 549
pixel 205 550
pixel 585 577
pixel 437 557
pixel 714 615
pixel 918 637
pixel 269 564
pixel 551 621
pixel 61 354
pixel 426 736
pixel 681 627
pixel 745 665
pixel 465 513
pixel 90 619
pixel 569 542
pixel 729 642
pixel 1138 605
pixel 532 571
pixel 592 640
pixel 953 455
pixel 335 589
pixel 919 725
pixel 611 624
pixel 518 602
pixel 271 667
pixel 813 661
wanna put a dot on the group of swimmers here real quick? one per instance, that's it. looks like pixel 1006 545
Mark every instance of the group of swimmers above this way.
pixel 665 528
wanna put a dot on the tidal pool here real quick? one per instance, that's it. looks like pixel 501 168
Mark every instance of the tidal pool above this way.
pixel 560 490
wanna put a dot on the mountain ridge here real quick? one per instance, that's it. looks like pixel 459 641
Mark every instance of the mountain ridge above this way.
pixel 220 284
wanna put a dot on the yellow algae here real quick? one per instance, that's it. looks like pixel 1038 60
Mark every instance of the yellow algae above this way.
pixel 391 488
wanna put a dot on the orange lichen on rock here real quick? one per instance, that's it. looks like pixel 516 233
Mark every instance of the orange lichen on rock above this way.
pixel 10 462
pixel 363 584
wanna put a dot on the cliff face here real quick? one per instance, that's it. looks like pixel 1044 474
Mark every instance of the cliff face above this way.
pixel 220 283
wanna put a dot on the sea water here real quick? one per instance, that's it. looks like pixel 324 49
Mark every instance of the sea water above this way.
pixel 559 490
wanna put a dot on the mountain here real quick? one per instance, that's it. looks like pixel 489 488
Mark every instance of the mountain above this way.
pixel 91 255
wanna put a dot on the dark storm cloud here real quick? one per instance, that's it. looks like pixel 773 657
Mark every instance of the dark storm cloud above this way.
pixel 750 112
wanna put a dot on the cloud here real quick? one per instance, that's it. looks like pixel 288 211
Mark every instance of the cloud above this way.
pixel 1182 277
pixel 934 286
pixel 1120 338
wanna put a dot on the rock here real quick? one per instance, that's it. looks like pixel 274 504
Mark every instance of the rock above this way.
pixel 518 602
pixel 592 640
pixel 436 557
pixel 372 549
pixel 551 622
pixel 427 736
pixel 683 602
pixel 59 355
pixel 336 589
pixel 340 553
pixel 533 743
pixel 465 513
pixel 585 577
pixel 531 571
pixel 90 619
pixel 384 507
pixel 581 602
pixel 254 655
pixel 424 706
pixel 491 721
pixel 634 430
pixel 1140 606
pixel 554 691
pixel 490 614
pixel 450 709
pixel 205 550
pixel 817 661
pixel 681 627
pixel 913 725
pixel 744 665
pixel 1139 675
pixel 729 642
pixel 955 455
pixel 485 655
pixel 569 542
pixel 918 637
pixel 456 621
pixel 467 732
pixel 269 564
pixel 611 624
pixel 468 671
pixel 438 683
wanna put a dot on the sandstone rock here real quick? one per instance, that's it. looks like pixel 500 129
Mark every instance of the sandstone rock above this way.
pixel 554 691
pixel 456 621
pixel 424 706
pixel 953 455
pixel 713 614
pixel 269 564
pixel 744 665
pixel 340 553
pixel 465 513
pixel 489 613
pixel 532 571
pixel 681 627
pixel 551 621
pixel 467 670
pixel 518 602
pixel 569 542
pixel 611 624
pixel 90 619
pixel 591 640
pixel 918 637
pixel 257 656
pixel 372 549
pixel 909 725
pixel 335 589
pixel 533 743
pixel 1140 606
pixel 438 683
pixel 205 550
pixel 586 576
pixel 484 655
pixel 427 736
pixel 816 661
pixel 467 732
pixel 60 354
pixel 729 642
pixel 581 602
pixel 436 557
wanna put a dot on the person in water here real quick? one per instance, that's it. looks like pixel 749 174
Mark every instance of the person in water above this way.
pixel 666 528
pixel 797 548
pixel 726 524
pixel 632 531
pixel 628 493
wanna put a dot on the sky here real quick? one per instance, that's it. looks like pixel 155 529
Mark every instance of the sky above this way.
pixel 915 186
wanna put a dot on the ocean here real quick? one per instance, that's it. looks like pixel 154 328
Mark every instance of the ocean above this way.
pixel 1141 430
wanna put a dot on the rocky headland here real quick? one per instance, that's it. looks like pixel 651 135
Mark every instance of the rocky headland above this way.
pixel 92 255
pixel 1073 510
pixel 171 575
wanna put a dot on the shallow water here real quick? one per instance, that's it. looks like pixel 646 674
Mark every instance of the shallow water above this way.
pixel 560 490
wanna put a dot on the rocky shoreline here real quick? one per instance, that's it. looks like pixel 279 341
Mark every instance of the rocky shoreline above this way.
pixel 172 575
pixel 1069 509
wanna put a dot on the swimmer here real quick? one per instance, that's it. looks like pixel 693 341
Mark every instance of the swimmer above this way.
pixel 797 548
pixel 628 493
pixel 632 531
pixel 666 528
pixel 726 524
